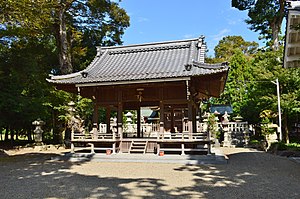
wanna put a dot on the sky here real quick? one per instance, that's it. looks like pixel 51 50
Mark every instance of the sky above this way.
pixel 167 20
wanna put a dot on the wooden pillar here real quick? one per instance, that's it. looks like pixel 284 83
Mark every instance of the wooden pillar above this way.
pixel 120 114
pixel 172 119
pixel 161 118
pixel 95 129
pixel 107 113
pixel 72 148
pixel 120 120
pixel 182 149
pixel 194 121
pixel 158 148
pixel 114 148
pixel 95 114
pixel 161 112
pixel 190 118
pixel 190 108
pixel 139 121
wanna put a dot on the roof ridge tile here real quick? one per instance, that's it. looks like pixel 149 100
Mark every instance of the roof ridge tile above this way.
pixel 148 49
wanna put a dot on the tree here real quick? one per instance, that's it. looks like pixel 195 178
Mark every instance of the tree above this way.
pixel 22 82
pixel 67 21
pixel 239 53
pixel 227 47
pixel 265 17
pixel 40 36
pixel 238 81
pixel 267 66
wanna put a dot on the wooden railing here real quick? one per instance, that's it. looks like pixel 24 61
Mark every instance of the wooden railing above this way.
pixel 153 131
pixel 94 135
pixel 183 136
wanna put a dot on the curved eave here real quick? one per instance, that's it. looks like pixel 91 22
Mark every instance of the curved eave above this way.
pixel 84 82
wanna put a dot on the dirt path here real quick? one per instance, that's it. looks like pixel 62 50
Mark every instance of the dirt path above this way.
pixel 249 174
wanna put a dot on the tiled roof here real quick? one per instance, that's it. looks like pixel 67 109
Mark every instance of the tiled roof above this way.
pixel 173 59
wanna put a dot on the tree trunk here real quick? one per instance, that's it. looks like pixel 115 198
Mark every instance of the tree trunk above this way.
pixel 29 135
pixel 276 25
pixel 63 45
pixel 275 35
pixel 6 134
pixel 17 134
pixel 12 134
pixel 285 126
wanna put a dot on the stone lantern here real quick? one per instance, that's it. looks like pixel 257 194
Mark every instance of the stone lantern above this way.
pixel 227 133
pixel 128 116
pixel 129 125
pixel 38 132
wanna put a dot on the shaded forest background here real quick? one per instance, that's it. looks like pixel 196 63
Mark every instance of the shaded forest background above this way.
pixel 43 37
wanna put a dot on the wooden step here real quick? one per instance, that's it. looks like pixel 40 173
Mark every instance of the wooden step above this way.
pixel 138 147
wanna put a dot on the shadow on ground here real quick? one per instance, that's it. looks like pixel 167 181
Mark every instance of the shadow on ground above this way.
pixel 248 175
pixel 37 175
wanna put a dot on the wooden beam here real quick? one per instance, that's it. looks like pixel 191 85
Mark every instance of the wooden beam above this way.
pixel 130 82
pixel 176 101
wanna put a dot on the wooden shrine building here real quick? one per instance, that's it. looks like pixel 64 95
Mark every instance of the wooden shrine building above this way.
pixel 170 76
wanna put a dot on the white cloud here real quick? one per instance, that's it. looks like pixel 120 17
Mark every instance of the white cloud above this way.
pixel 220 35
pixel 142 19
pixel 234 21
pixel 188 36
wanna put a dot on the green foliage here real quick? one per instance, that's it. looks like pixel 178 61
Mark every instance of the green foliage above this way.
pixel 238 82
pixel 249 87
pixel 266 119
pixel 22 82
pixel 228 46
pixel 58 104
pixel 254 142
pixel 75 26
pixel 212 125
pixel 84 107
pixel 265 16
pixel 30 46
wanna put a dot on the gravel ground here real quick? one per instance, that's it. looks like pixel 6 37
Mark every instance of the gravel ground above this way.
pixel 248 174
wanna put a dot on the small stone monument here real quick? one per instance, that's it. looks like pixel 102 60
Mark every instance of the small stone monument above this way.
pixel 38 132
pixel 129 125
pixel 227 134
pixel 225 118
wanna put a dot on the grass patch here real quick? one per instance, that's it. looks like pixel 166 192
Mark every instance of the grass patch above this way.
pixel 281 146
pixel 254 142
